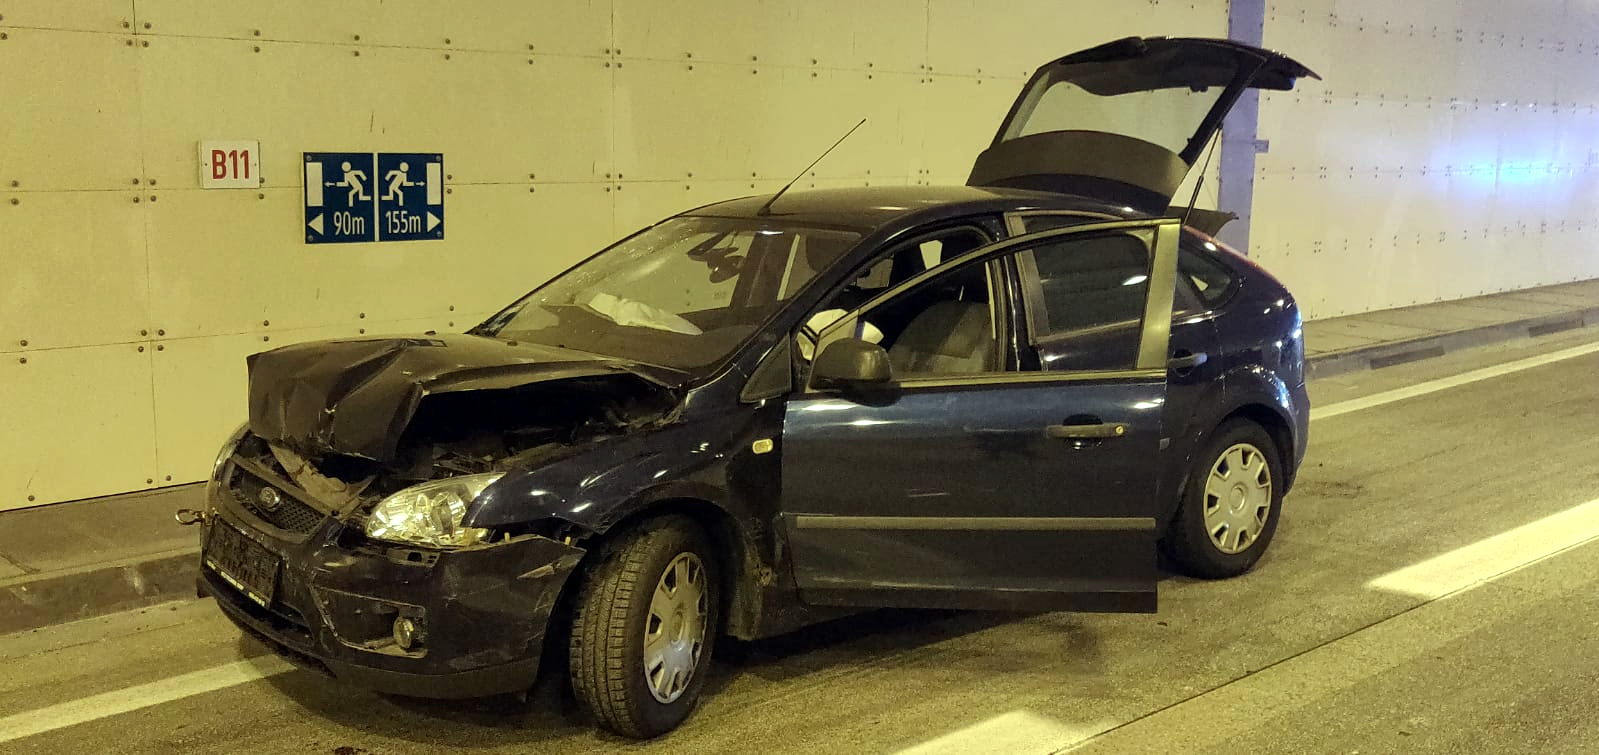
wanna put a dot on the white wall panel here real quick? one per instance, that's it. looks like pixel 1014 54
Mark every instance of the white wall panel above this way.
pixel 1012 37
pixel 962 115
pixel 716 122
pixel 580 27
pixel 71 110
pixel 496 117
pixel 882 34
pixel 74 269
pixel 76 15
pixel 75 423
pixel 1458 138
pixel 506 240
pixel 224 262
pixel 199 397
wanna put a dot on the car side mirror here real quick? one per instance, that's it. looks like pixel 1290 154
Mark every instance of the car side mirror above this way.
pixel 851 363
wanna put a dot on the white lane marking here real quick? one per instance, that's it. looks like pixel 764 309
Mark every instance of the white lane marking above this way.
pixel 95 707
pixel 1472 565
pixel 1433 386
pixel 1018 732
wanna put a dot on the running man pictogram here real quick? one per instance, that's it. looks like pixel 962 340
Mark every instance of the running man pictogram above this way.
pixel 399 179
pixel 355 180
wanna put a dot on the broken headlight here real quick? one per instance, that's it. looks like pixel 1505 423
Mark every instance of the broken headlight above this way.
pixel 430 513
pixel 214 482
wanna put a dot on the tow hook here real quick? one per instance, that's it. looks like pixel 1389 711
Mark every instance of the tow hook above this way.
pixel 189 517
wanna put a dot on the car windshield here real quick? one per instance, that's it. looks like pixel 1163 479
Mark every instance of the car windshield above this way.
pixel 682 294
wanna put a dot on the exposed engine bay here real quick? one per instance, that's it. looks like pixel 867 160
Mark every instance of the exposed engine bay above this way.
pixel 398 412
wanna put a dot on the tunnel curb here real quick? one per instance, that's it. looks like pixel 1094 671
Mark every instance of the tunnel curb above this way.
pixel 39 600
pixel 1388 354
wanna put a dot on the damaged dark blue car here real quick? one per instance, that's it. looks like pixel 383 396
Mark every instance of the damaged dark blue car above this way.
pixel 764 412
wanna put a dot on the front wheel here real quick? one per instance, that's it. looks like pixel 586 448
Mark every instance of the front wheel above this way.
pixel 1231 503
pixel 644 626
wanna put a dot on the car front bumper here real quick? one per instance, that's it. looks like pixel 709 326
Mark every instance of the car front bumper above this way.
pixel 328 601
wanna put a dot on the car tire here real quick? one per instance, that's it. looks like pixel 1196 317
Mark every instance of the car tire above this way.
pixel 644 625
pixel 1231 501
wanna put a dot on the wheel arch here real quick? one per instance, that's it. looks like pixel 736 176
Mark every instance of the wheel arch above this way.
pixel 732 544
pixel 1269 419
pixel 1277 426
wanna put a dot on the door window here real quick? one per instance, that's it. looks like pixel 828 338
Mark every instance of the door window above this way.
pixel 949 324
pixel 906 261
pixel 1087 297
pixel 901 263
pixel 1202 282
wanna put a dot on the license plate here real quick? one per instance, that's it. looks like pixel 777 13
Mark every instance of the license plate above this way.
pixel 243 562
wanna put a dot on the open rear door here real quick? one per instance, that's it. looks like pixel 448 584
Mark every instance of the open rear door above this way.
pixel 1127 120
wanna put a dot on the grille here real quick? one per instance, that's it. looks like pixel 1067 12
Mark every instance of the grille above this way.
pixel 290 514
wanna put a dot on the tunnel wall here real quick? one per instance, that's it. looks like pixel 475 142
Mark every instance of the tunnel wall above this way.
pixel 131 295
pixel 1452 151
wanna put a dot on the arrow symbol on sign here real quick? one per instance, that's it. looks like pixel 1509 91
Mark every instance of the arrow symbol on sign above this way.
pixel 316 223
pixel 433 221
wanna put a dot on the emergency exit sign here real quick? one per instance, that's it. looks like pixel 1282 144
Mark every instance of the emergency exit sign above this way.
pixel 230 164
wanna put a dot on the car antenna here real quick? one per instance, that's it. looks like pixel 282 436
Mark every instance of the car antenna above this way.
pixel 766 209
pixel 1201 180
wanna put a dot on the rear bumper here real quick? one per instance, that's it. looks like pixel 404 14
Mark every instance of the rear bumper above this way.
pixel 481 612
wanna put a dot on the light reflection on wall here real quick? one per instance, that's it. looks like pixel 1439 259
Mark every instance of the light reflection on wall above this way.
pixel 1452 151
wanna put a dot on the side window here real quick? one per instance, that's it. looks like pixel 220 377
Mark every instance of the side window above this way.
pixel 1051 221
pixel 1201 281
pixel 906 261
pixel 1092 283
pixel 1186 299
pixel 899 264
pixel 1087 299
pixel 946 325
pixel 811 255
pixel 1210 279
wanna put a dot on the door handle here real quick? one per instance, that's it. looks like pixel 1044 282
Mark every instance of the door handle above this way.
pixel 1184 359
pixel 1098 431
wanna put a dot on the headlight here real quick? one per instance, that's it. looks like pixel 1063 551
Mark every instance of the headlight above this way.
pixel 430 513
pixel 228 448
pixel 226 453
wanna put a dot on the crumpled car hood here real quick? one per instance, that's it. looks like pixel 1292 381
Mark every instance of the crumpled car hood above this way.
pixel 356 397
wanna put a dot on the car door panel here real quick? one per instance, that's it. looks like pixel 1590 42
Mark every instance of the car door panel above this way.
pixel 1027 490
pixel 971 499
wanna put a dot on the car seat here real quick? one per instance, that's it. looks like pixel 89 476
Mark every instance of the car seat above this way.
pixel 949 337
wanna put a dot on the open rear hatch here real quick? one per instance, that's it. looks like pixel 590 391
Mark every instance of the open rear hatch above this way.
pixel 1127 120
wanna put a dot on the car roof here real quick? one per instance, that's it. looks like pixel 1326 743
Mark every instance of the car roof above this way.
pixel 885 208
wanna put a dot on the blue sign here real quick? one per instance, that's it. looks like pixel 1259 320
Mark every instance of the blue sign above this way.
pixel 339 206
pixel 410 196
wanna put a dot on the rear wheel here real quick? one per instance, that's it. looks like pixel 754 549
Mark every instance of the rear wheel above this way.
pixel 1230 505
pixel 644 626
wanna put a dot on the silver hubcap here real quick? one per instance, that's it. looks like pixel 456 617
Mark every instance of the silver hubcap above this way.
pixel 1237 498
pixel 674 633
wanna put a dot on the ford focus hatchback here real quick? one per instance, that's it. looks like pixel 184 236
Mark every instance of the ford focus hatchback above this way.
pixel 757 414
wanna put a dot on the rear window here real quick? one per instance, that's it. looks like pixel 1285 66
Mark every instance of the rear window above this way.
pixel 1212 280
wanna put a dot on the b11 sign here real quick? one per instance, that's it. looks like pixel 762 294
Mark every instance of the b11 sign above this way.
pixel 230 165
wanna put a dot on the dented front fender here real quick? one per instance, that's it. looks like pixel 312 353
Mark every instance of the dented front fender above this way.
pixel 599 485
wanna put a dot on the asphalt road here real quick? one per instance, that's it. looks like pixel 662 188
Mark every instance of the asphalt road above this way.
pixel 1418 598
